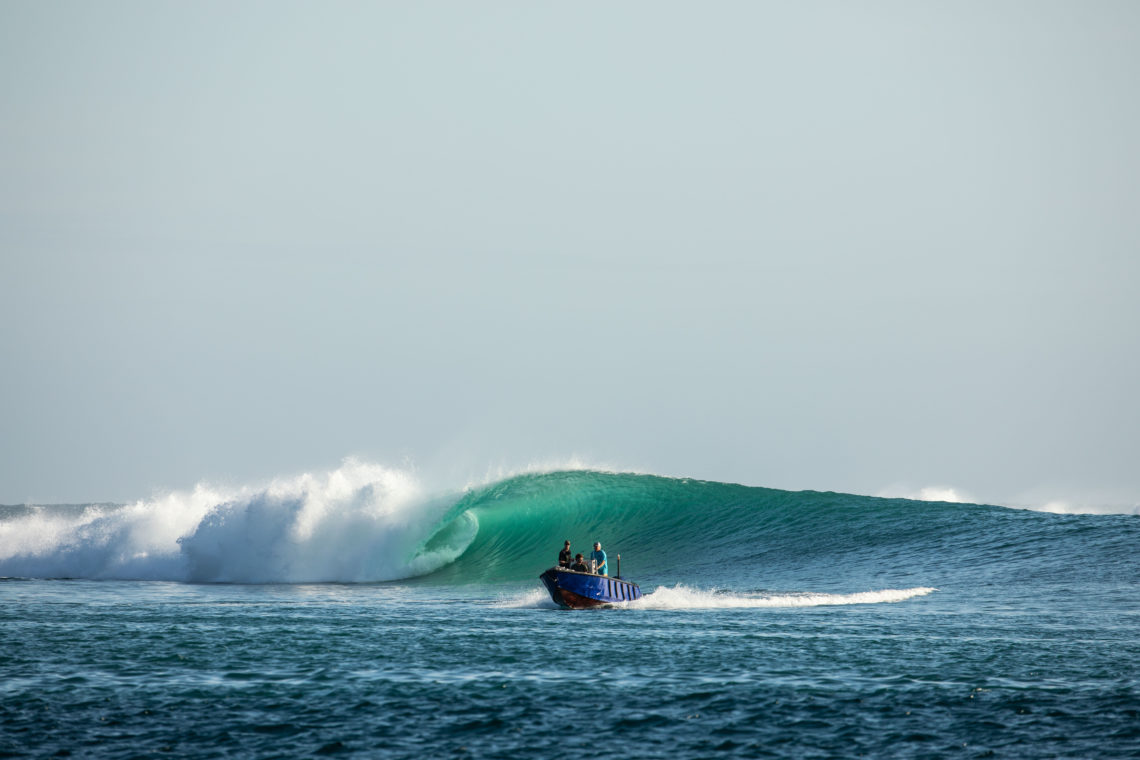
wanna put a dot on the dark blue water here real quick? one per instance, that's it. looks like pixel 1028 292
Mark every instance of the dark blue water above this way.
pixel 774 625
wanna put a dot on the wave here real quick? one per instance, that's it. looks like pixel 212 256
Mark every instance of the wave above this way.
pixel 366 523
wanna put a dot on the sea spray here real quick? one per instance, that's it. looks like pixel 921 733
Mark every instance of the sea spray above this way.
pixel 357 523
pixel 133 541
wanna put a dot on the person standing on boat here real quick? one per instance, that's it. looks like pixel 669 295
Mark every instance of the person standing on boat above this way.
pixel 599 557
pixel 564 555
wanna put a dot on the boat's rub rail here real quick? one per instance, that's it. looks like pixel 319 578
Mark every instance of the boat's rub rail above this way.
pixel 592 575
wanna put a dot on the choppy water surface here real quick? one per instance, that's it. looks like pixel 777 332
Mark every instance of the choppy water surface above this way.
pixel 790 625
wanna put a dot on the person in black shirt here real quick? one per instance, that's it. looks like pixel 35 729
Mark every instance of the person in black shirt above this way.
pixel 579 566
pixel 564 556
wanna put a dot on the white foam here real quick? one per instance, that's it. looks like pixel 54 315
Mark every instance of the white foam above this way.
pixel 685 598
pixel 359 522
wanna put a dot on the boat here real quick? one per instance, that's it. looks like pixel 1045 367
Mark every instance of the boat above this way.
pixel 577 591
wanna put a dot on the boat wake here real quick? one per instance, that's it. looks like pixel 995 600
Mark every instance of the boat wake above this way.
pixel 682 597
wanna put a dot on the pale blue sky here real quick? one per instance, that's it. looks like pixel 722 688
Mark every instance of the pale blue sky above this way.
pixel 829 245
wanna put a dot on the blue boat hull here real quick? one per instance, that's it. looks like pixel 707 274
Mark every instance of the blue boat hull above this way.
pixel 578 591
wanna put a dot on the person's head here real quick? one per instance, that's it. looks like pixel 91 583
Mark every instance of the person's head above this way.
pixel 567 544
pixel 597 544
pixel 578 556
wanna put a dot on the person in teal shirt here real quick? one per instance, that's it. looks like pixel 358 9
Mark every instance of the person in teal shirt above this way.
pixel 599 556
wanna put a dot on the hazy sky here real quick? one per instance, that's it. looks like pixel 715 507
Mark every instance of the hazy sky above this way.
pixel 844 246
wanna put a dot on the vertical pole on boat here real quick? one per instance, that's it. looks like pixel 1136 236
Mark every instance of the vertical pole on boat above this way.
pixel 618 576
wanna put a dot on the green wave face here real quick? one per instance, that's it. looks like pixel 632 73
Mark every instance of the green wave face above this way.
pixel 523 521
pixel 730 536
pixel 670 528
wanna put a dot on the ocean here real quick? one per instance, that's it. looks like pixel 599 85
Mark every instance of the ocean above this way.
pixel 362 613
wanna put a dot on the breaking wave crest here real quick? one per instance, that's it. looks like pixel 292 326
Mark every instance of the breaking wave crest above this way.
pixel 360 522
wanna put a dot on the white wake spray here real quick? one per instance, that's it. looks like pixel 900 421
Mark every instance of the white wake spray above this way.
pixel 681 597
pixel 360 522
pixel 684 598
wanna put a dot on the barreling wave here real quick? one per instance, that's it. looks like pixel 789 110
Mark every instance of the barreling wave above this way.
pixel 367 523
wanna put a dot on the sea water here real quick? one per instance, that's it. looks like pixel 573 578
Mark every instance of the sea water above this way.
pixel 358 613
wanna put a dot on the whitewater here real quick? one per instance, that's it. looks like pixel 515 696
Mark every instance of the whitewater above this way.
pixel 354 524
pixel 362 611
